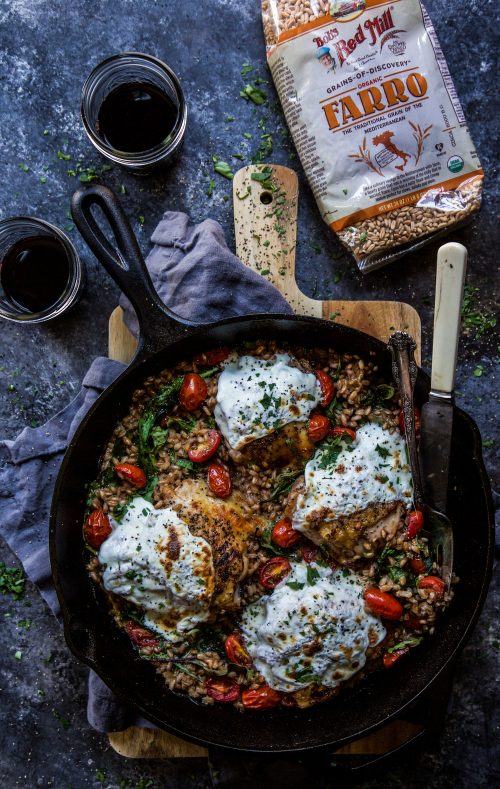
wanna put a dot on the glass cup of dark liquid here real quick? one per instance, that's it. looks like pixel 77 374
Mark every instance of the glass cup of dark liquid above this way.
pixel 41 275
pixel 134 111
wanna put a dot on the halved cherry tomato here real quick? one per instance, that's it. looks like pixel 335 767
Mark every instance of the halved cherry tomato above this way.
pixel 434 583
pixel 236 652
pixel 383 604
pixel 284 535
pixel 206 449
pixel 318 427
pixel 222 689
pixel 214 356
pixel 392 657
pixel 132 474
pixel 193 392
pixel 344 431
pixel 261 698
pixel 417 566
pixel 418 421
pixel 273 571
pixel 219 480
pixel 97 528
pixel 327 387
pixel 140 636
pixel 415 523
pixel 309 552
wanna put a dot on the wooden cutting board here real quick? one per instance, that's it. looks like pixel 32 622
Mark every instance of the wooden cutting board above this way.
pixel 266 229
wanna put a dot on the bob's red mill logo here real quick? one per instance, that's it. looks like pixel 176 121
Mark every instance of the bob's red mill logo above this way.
pixel 374 28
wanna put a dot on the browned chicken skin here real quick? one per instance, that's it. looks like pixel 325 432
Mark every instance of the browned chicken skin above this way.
pixel 288 446
pixel 225 526
pixel 345 537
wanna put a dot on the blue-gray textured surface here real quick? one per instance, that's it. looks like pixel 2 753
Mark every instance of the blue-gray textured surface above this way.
pixel 47 49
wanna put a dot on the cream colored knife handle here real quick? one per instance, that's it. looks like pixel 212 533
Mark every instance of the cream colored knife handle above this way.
pixel 451 266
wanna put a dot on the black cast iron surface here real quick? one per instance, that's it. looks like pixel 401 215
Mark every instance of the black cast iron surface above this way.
pixel 47 50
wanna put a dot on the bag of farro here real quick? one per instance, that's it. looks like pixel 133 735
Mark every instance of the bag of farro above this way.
pixel 376 121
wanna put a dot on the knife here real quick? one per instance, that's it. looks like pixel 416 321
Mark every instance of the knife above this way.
pixel 437 414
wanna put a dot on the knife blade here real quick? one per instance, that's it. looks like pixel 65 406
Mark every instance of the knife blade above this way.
pixel 437 413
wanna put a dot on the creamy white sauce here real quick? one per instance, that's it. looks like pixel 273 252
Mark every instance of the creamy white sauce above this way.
pixel 372 469
pixel 175 593
pixel 255 397
pixel 315 608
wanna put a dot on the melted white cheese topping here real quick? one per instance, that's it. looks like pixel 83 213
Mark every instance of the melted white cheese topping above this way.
pixel 372 469
pixel 255 397
pixel 312 628
pixel 137 557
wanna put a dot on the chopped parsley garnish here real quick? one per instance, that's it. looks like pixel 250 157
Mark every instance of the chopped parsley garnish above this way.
pixel 382 451
pixel 306 675
pixel 379 395
pixel 409 642
pixel 312 575
pixel 284 482
pixel 295 585
pixel 331 451
pixel 182 463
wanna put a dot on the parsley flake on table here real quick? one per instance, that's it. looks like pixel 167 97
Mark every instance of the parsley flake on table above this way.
pixel 12 580
pixel 252 93
pixel 223 168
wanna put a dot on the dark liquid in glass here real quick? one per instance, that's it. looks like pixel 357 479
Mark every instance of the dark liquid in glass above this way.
pixel 136 117
pixel 34 273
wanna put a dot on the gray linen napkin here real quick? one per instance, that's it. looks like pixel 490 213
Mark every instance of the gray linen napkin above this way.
pixel 198 277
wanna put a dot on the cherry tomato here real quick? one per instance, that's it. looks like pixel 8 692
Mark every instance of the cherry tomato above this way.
pixel 418 421
pixel 209 358
pixel 273 571
pixel 327 387
pixel 236 652
pixel 206 449
pixel 417 566
pixel 284 535
pixel 193 392
pixel 219 481
pixel 318 427
pixel 309 552
pixel 222 689
pixel 415 523
pixel 435 584
pixel 261 698
pixel 392 657
pixel 132 474
pixel 383 604
pixel 97 528
pixel 344 431
pixel 140 636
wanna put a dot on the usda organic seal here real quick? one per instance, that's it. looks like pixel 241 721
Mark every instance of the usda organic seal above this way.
pixel 455 164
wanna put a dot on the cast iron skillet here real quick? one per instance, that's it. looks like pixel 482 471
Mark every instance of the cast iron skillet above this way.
pixel 89 629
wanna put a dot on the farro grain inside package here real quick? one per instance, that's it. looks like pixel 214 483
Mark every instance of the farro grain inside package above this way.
pixel 376 121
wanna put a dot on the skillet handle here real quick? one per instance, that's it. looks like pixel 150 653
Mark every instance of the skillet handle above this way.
pixel 125 263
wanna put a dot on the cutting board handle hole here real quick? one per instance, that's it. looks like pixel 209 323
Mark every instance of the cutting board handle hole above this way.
pixel 266 198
